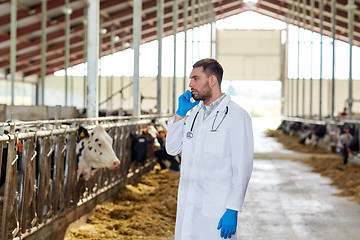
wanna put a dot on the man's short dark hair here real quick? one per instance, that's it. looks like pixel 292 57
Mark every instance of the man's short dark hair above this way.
pixel 211 67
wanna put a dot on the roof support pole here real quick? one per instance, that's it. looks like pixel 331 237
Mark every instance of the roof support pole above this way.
pixel 169 95
pixel 160 28
pixel 23 88
pixel 112 47
pixel 137 8
pixel 72 87
pixel 85 23
pixel 192 30
pixel 351 7
pixel 67 11
pixel 121 112
pixel 212 39
pixel 13 30
pixel 321 16
pixel 333 31
pixel 100 50
pixel 199 20
pixel 185 40
pixel 208 21
pixel 298 58
pixel 292 80
pixel 93 58
pixel 303 42
pixel 332 117
pixel 284 74
pixel 175 25
pixel 37 92
pixel 284 71
pixel 43 48
pixel 213 30
pixel 312 4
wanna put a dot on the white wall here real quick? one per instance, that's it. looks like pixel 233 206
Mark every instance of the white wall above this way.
pixel 249 54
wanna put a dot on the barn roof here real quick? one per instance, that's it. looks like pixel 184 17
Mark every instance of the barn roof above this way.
pixel 118 13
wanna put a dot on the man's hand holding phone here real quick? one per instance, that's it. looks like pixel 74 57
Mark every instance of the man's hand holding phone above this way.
pixel 185 104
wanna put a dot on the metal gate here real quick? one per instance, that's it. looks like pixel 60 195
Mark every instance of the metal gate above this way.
pixel 41 187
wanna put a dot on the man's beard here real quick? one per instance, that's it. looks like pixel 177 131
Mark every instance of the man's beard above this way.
pixel 206 94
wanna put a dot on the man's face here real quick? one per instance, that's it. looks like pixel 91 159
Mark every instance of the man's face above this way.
pixel 199 84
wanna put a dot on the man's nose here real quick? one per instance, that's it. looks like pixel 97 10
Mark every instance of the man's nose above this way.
pixel 190 83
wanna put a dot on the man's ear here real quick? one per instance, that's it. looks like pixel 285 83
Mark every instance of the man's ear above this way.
pixel 213 80
pixel 82 132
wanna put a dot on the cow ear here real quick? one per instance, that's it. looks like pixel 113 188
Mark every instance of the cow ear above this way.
pixel 82 132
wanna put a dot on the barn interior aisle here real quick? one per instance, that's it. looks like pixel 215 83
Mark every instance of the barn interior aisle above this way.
pixel 286 200
pixel 89 84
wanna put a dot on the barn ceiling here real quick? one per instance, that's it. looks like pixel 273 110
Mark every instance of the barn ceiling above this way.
pixel 117 14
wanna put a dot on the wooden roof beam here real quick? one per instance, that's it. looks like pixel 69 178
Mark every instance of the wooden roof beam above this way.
pixel 28 12
pixel 60 45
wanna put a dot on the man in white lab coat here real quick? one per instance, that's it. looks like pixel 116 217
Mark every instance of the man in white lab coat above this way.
pixel 216 143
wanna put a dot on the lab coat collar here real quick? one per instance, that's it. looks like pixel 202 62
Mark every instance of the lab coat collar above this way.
pixel 221 107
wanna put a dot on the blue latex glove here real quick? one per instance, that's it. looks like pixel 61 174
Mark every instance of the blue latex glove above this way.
pixel 228 223
pixel 185 104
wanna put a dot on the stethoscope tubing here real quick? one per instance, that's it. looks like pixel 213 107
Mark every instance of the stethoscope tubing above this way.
pixel 190 134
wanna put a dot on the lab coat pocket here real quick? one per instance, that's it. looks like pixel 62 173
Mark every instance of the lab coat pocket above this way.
pixel 214 199
pixel 215 142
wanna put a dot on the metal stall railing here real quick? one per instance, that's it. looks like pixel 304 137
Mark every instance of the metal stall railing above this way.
pixel 41 186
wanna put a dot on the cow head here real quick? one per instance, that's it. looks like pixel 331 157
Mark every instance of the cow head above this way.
pixel 94 150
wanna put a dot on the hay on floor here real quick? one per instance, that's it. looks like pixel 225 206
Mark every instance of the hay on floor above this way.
pixel 146 210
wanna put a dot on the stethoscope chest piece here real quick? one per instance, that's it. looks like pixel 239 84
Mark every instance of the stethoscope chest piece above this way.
pixel 189 135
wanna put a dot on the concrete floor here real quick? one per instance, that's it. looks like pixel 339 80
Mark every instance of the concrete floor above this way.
pixel 286 201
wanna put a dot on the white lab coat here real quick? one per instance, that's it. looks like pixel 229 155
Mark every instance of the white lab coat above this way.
pixel 215 168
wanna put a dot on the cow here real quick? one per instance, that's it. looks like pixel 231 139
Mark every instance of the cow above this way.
pixel 140 146
pixel 34 183
pixel 317 132
pixel 353 146
pixel 151 143
pixel 290 128
pixel 94 150
pixel 165 160
pixel 344 135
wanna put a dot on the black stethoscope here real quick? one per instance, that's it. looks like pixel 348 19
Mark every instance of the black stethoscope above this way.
pixel 190 134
